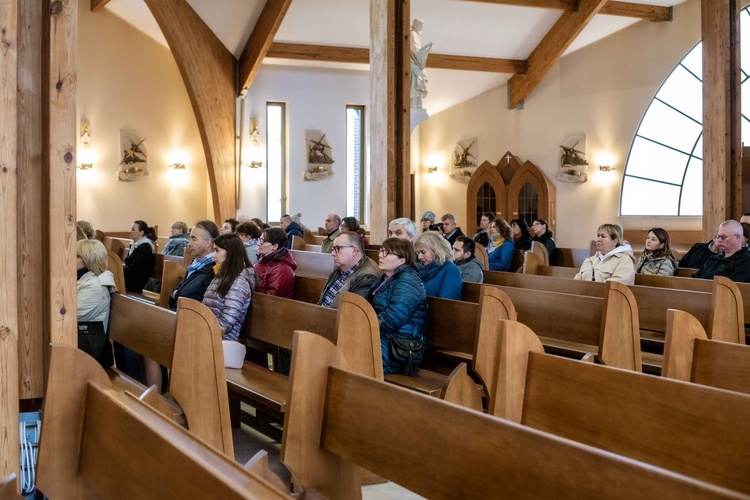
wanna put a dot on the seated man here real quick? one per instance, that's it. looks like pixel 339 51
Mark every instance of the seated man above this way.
pixel 482 235
pixel 699 254
pixel 403 229
pixel 450 230
pixel 468 264
pixel 354 272
pixel 291 228
pixel 201 271
pixel 733 259
pixel 331 224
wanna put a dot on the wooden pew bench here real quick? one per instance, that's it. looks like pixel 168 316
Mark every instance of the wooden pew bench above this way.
pixel 686 428
pixel 689 355
pixel 313 264
pixel 102 443
pixel 338 420
pixel 188 343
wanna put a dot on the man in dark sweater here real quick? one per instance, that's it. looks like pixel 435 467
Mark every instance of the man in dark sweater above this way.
pixel 733 259
pixel 699 254
pixel 201 271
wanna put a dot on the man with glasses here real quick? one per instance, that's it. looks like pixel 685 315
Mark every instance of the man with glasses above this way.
pixel 699 254
pixel 201 271
pixel 354 272
pixel 733 259
pixel 331 224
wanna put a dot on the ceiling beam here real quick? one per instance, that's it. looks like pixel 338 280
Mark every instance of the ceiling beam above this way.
pixel 97 5
pixel 612 8
pixel 551 48
pixel 260 40
pixel 305 52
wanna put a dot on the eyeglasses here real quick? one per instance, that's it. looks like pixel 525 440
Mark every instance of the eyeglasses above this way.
pixel 261 241
pixel 384 253
pixel 425 220
pixel 722 237
pixel 337 248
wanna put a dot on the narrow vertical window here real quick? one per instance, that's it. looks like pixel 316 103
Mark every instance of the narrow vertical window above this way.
pixel 355 162
pixel 276 158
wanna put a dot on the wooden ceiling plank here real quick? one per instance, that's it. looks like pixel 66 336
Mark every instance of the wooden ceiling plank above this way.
pixel 208 71
pixel 350 55
pixel 612 8
pixel 260 40
pixel 551 48
pixel 97 5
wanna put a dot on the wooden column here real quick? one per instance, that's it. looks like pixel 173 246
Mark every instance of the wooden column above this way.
pixel 9 448
pixel 208 70
pixel 31 201
pixel 60 136
pixel 722 167
pixel 390 117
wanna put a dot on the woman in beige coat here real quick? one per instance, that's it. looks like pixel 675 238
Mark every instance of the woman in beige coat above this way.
pixel 613 260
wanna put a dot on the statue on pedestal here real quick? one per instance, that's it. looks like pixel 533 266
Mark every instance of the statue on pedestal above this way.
pixel 419 55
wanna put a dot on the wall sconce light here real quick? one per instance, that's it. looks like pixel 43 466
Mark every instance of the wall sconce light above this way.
pixel 606 168
pixel 178 166
pixel 431 170
pixel 255 145
pixel 85 154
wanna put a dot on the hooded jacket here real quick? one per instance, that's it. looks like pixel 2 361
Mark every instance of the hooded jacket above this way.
pixel 663 266
pixel 274 274
pixel 94 295
pixel 548 241
pixel 471 270
pixel 231 308
pixel 617 265
pixel 291 230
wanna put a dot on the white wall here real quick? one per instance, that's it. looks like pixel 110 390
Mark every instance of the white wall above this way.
pixel 315 99
pixel 602 91
pixel 127 80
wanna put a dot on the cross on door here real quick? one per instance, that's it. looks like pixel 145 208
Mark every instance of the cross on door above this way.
pixel 507 158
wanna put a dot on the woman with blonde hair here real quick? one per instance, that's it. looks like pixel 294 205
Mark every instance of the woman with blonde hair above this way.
pixel 657 257
pixel 500 247
pixel 613 260
pixel 95 283
pixel 440 276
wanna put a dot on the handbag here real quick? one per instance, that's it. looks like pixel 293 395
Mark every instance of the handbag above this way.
pixel 407 352
pixel 94 341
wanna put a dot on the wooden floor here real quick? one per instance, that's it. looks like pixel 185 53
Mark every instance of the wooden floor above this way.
pixel 247 442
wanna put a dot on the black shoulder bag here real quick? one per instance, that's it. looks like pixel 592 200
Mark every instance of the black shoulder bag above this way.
pixel 94 341
pixel 406 352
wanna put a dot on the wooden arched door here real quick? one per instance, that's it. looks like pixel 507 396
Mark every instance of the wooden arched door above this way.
pixel 510 190
pixel 486 192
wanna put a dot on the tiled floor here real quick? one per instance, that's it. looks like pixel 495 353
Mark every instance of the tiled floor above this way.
pixel 247 442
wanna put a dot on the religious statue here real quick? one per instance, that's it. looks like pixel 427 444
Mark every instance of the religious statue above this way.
pixel 419 55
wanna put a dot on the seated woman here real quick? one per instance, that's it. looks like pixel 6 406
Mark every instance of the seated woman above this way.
pixel 440 276
pixel 95 283
pixel 521 235
pixel 87 228
pixel 657 258
pixel 139 264
pixel 399 300
pixel 613 260
pixel 500 247
pixel 250 233
pixel 229 226
pixel 178 240
pixel 350 224
pixel 543 235
pixel 228 295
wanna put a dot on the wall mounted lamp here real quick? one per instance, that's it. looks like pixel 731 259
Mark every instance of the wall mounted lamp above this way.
pixel 606 168
pixel 85 154
pixel 431 170
pixel 178 166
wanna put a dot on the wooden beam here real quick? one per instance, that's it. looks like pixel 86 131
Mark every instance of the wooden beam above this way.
pixel 722 167
pixel 208 71
pixel 550 49
pixel 9 449
pixel 97 5
pixel 353 55
pixel 260 40
pixel 612 8
pixel 61 131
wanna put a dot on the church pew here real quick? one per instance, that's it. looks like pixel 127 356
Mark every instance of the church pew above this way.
pixel 689 355
pixel 98 442
pixel 114 265
pixel 686 428
pixel 189 344
pixel 338 420
pixel 9 488
pixel 313 264
pixel 171 277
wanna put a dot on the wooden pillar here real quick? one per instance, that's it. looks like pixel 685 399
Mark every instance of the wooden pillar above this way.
pixel 722 167
pixel 9 447
pixel 390 193
pixel 60 137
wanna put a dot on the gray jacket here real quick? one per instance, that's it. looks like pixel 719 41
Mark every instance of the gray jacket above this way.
pixel 359 282
pixel 471 270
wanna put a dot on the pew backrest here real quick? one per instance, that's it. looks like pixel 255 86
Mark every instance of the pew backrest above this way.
pixel 171 276
pixel 481 254
pixel 338 420
pixel 313 264
pixel 540 250
pixel 114 265
pixel 298 243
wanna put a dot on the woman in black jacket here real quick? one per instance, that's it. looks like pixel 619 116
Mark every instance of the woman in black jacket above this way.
pixel 139 264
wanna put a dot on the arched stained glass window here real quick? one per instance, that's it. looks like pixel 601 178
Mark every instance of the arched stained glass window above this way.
pixel 664 171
